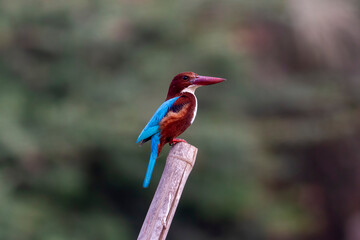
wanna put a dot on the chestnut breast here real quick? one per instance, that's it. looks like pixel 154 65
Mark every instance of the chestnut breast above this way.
pixel 179 117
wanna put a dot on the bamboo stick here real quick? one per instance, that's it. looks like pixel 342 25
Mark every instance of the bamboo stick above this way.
pixel 179 164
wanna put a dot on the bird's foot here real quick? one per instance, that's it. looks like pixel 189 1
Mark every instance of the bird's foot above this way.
pixel 176 140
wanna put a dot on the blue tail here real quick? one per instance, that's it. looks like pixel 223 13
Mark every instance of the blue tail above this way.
pixel 155 140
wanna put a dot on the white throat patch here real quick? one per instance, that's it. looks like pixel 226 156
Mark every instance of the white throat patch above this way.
pixel 191 89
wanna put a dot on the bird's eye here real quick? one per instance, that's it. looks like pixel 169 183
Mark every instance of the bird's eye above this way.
pixel 185 77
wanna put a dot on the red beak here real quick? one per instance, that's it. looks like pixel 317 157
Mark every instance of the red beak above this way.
pixel 204 80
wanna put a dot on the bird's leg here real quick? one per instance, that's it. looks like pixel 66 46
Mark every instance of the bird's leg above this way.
pixel 176 140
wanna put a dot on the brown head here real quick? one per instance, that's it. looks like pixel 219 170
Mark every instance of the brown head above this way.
pixel 188 82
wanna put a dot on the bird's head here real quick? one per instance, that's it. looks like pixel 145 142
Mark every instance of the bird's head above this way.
pixel 188 82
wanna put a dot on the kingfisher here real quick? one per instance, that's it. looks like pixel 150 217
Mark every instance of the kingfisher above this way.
pixel 174 116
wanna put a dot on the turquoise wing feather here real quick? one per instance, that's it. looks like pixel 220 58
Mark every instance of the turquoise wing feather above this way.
pixel 152 130
pixel 153 125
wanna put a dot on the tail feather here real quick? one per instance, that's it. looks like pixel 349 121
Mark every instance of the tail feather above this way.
pixel 155 140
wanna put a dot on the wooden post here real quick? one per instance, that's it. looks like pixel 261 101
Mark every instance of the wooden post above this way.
pixel 179 164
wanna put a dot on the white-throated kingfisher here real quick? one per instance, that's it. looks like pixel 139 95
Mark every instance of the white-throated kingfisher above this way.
pixel 174 116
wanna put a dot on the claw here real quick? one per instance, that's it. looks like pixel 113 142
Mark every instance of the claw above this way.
pixel 176 140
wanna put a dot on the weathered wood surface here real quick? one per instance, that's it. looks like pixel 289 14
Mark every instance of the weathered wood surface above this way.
pixel 179 164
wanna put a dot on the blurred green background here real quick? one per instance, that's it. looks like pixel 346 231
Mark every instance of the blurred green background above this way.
pixel 279 142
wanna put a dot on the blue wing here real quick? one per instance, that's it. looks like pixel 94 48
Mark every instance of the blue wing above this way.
pixel 153 125
pixel 152 130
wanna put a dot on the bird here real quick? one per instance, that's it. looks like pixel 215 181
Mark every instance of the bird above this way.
pixel 174 116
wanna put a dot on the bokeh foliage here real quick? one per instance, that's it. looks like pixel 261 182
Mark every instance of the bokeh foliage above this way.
pixel 79 80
